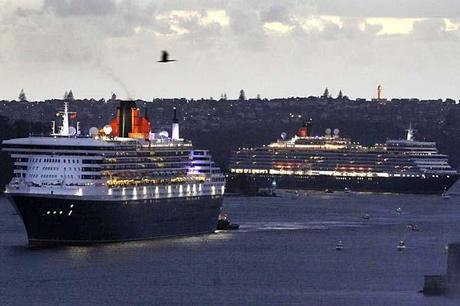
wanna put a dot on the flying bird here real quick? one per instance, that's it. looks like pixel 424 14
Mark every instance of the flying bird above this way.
pixel 165 57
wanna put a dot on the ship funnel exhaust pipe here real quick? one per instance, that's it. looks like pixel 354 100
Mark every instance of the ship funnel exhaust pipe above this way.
pixel 125 120
pixel 175 126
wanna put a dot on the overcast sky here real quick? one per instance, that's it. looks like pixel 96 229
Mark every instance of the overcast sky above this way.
pixel 273 48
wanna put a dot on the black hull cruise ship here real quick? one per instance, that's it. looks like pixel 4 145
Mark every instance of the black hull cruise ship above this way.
pixel 119 183
pixel 331 162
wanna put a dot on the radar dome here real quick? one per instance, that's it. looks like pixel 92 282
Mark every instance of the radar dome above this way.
pixel 336 132
pixel 284 135
pixel 107 130
pixel 328 131
pixel 94 131
pixel 72 131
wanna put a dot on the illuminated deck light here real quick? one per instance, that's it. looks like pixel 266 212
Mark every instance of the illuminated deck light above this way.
pixel 188 188
pixel 157 190
pixel 123 191
pixel 222 189
pixel 110 191
pixel 213 190
pixel 181 189
pixel 70 212
pixel 200 188
pixel 169 189
pixel 194 188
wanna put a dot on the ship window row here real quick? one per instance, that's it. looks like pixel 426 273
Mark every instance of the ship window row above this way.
pixel 79 148
pixel 20 167
pixel 73 153
pixel 139 176
pixel 69 176
pixel 90 169
pixel 50 168
pixel 21 160
pixel 54 160
pixel 91 161
pixel 156 153
pixel 145 166
pixel 112 160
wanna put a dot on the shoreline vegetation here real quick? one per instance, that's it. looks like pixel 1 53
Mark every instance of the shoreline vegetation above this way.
pixel 223 125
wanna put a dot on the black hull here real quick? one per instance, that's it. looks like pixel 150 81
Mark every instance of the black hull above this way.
pixel 61 221
pixel 252 184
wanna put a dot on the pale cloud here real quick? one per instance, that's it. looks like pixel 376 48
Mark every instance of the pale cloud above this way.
pixel 203 18
pixel 277 27
pixel 393 26
pixel 80 7
pixel 452 25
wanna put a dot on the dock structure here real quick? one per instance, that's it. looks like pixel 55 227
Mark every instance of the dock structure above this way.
pixel 448 284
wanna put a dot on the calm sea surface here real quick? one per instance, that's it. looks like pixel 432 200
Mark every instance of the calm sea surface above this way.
pixel 284 254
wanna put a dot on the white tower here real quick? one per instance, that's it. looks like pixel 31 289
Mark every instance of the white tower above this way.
pixel 175 126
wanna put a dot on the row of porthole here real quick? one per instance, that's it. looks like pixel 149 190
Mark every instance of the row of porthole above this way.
pixel 55 212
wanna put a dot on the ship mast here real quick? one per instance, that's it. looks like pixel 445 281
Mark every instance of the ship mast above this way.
pixel 410 133
pixel 65 121
pixel 64 129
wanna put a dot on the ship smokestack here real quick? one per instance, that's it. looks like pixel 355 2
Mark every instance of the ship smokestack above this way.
pixel 306 129
pixel 175 126
pixel 125 119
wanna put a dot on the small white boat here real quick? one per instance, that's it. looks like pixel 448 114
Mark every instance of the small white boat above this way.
pixel 339 245
pixel 401 246
pixel 366 216
pixel 347 190
pixel 445 196
pixel 413 227
pixel 399 210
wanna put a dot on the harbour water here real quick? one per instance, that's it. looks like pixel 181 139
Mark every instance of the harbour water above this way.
pixel 283 254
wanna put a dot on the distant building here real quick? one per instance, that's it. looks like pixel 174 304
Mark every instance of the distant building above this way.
pixel 379 97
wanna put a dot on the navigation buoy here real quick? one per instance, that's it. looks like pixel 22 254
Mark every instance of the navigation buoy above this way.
pixel 339 245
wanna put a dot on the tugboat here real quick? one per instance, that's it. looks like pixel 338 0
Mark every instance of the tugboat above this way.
pixel 445 195
pixel 224 223
pixel 401 245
